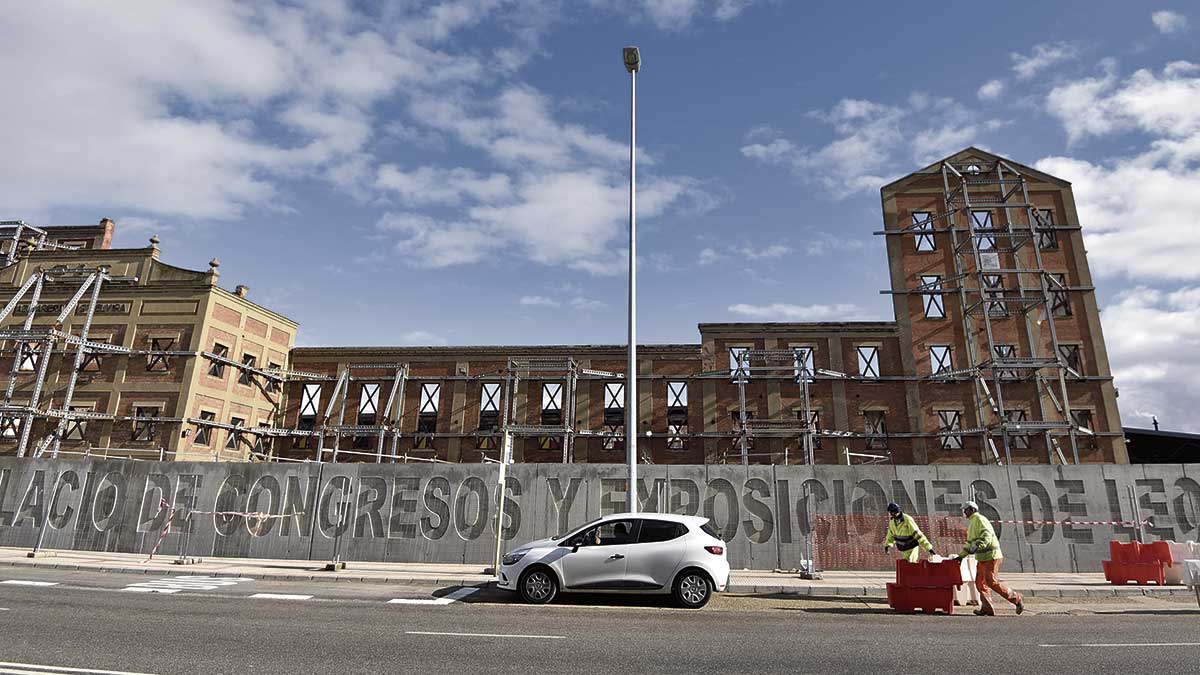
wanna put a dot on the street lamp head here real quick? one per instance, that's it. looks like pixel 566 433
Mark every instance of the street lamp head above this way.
pixel 633 59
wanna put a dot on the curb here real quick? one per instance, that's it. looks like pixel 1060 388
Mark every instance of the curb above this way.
pixel 436 582
pixel 737 588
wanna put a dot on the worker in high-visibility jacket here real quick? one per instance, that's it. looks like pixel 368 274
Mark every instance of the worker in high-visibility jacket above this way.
pixel 905 535
pixel 983 544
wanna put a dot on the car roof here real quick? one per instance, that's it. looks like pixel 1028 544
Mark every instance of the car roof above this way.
pixel 671 517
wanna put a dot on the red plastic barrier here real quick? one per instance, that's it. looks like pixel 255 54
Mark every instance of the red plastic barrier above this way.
pixel 1137 562
pixel 909 599
pixel 926 574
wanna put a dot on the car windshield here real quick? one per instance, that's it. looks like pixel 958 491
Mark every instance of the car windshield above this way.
pixel 578 529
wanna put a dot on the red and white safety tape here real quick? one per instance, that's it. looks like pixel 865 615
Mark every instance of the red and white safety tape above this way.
pixel 162 503
pixel 1121 523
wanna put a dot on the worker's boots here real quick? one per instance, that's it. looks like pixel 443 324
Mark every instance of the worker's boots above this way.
pixel 986 610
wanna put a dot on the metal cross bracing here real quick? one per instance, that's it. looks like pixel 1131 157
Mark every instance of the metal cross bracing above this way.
pixel 997 234
pixel 795 364
pixel 21 343
pixel 11 231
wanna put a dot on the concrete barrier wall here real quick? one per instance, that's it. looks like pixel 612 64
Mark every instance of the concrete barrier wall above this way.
pixel 446 513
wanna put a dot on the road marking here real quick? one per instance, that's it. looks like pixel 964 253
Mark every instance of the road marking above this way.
pixel 184 583
pixel 1130 644
pixel 41 670
pixel 281 596
pixel 444 600
pixel 495 635
pixel 23 582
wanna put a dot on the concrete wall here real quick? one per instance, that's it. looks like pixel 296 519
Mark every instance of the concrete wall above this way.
pixel 445 513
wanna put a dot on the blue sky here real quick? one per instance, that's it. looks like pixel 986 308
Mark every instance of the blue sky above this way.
pixel 454 173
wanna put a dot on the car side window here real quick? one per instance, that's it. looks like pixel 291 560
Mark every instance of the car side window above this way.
pixel 611 533
pixel 660 530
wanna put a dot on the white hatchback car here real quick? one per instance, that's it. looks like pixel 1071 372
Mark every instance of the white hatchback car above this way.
pixel 624 552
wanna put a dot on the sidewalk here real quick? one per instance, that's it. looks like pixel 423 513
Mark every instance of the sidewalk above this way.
pixel 860 584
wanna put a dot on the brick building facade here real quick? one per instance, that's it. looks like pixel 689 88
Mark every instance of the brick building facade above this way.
pixel 996 355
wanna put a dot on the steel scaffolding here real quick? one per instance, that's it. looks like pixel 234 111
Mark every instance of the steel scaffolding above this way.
pixel 974 198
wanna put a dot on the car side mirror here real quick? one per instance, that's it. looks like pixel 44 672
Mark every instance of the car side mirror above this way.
pixel 575 548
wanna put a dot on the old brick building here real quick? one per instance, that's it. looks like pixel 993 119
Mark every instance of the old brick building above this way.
pixel 996 355
pixel 162 346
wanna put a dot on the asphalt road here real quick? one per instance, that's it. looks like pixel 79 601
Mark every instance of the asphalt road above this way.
pixel 90 621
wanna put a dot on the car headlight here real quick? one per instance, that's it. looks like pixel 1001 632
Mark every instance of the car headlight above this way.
pixel 513 558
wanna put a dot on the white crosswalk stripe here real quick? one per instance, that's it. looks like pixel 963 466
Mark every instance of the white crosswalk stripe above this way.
pixel 444 600
pixel 39 669
pixel 25 582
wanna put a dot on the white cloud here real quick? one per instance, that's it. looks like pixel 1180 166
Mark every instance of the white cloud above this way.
pixel 538 301
pixel 788 312
pixel 674 15
pixel 1043 56
pixel 587 304
pixel 825 243
pixel 1168 22
pixel 1166 104
pixel 426 242
pixel 990 90
pixel 1152 338
pixel 422 338
pixel 168 114
pixel 708 256
pixel 433 185
pixel 771 252
pixel 874 142
pixel 1139 211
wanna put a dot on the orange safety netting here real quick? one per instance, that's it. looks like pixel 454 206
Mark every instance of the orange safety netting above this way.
pixel 856 542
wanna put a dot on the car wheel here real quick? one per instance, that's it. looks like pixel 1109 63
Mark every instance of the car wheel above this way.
pixel 692 589
pixel 538 586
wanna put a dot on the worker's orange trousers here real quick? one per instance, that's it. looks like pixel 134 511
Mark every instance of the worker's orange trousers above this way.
pixel 986 581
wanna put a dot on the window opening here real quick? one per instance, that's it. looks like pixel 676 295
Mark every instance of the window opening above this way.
pixel 868 361
pixel 802 362
pixel 1083 419
pixel 1019 439
pixel 994 290
pixel 159 363
pixel 427 412
pixel 144 430
pixel 950 421
pixel 245 376
pixel 217 368
pixel 1047 235
pixel 923 228
pixel 10 427
pixel 986 242
pixel 940 360
pixel 77 428
pixel 1070 357
pixel 203 431
pixel 29 358
pixel 235 436
pixel 876 427
pixel 1060 302
pixel 934 302
pixel 1006 352
pixel 614 414
pixel 739 366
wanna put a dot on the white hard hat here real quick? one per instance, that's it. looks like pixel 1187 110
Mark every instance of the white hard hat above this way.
pixel 970 505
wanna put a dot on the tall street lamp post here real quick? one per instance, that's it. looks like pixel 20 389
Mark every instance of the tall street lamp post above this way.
pixel 633 63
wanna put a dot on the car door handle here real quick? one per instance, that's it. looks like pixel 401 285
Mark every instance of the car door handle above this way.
pixel 616 556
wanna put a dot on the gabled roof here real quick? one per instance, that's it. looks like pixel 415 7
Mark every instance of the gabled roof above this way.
pixel 970 153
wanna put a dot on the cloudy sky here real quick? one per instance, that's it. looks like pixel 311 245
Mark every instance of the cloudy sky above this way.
pixel 454 173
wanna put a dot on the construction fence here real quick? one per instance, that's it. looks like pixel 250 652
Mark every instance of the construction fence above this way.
pixel 773 517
